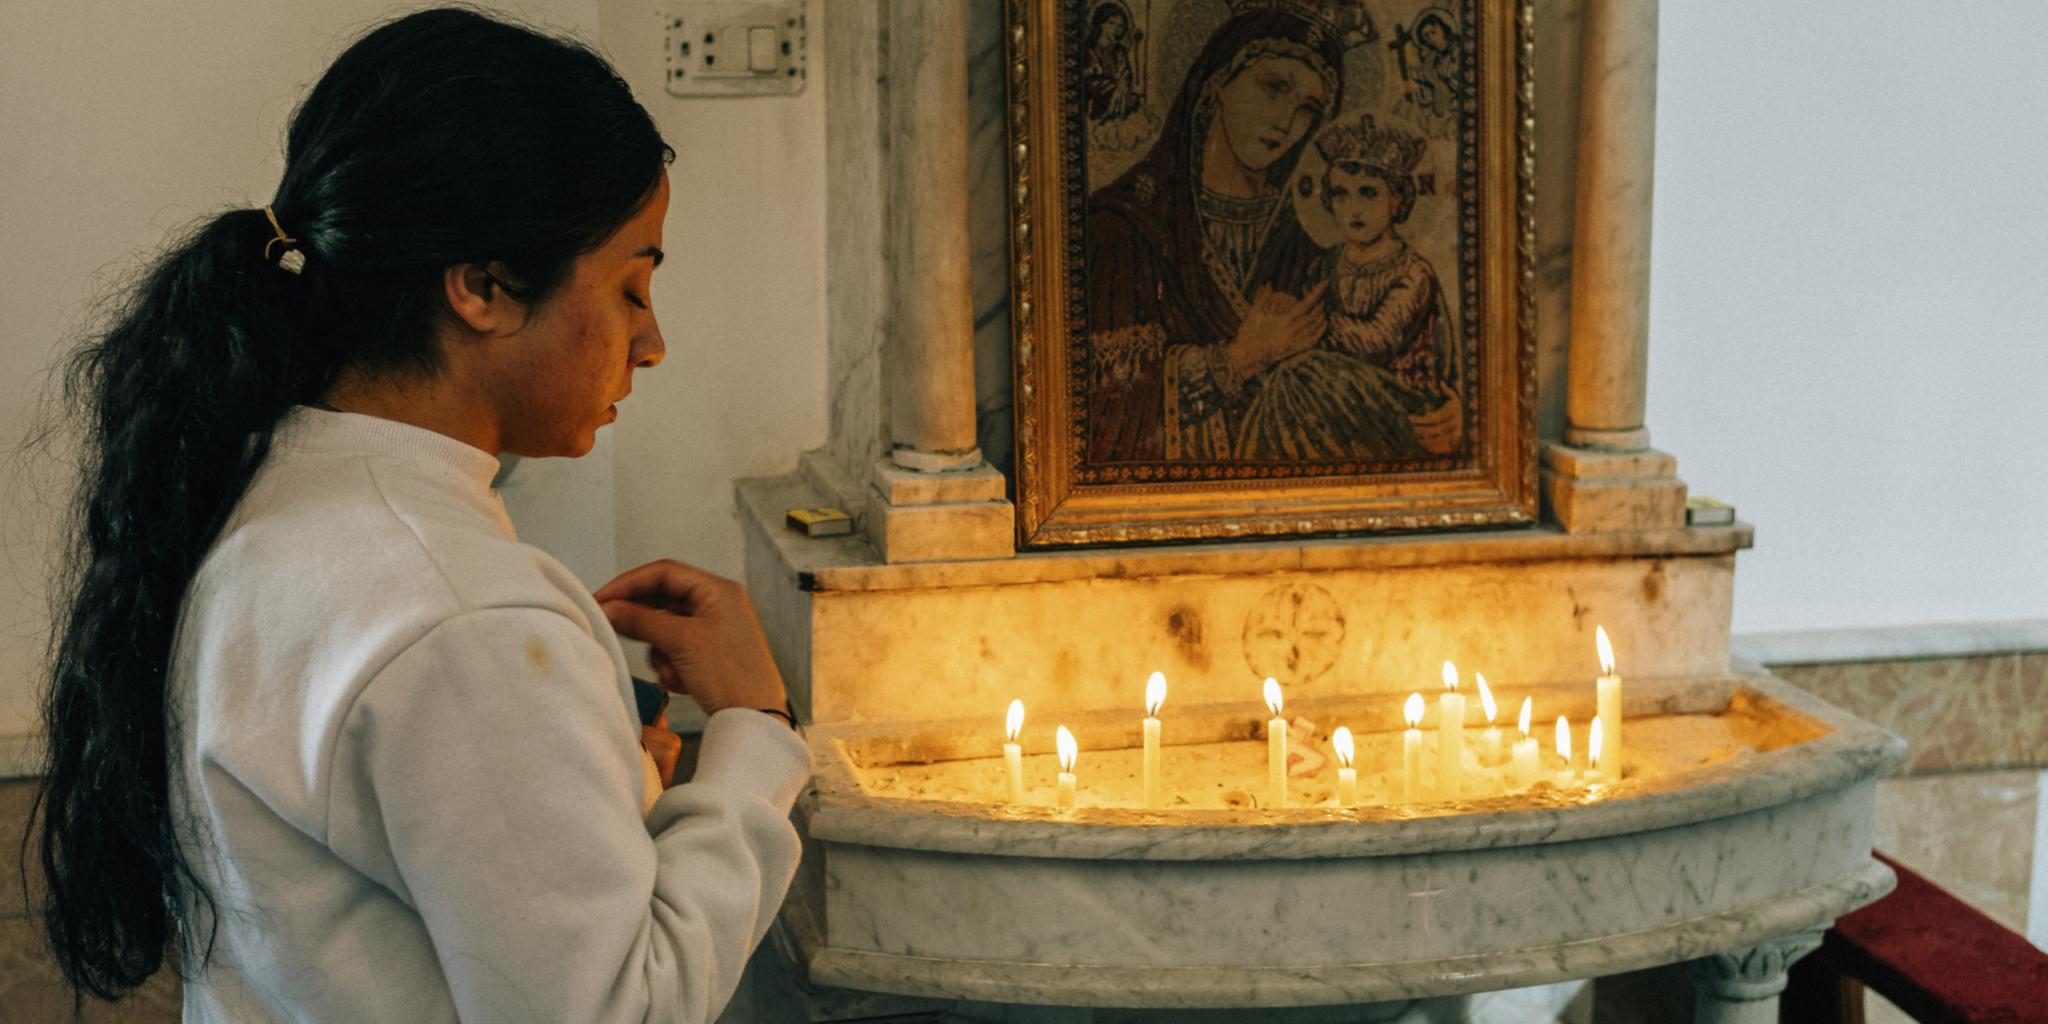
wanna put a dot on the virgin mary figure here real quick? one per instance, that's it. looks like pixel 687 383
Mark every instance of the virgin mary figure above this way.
pixel 1200 276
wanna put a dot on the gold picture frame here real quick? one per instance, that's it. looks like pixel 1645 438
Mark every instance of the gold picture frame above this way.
pixel 1247 304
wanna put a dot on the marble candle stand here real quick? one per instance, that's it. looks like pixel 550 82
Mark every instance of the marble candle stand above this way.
pixel 1311 906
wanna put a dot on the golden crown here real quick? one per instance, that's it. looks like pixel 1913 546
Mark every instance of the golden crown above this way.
pixel 1389 149
pixel 1345 21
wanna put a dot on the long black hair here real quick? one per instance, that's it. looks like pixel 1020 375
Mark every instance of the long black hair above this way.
pixel 443 138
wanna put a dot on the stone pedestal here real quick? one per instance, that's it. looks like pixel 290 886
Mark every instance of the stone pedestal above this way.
pixel 1592 491
pixel 944 516
pixel 1742 986
pixel 1082 629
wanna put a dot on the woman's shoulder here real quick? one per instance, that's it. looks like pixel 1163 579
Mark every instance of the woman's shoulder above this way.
pixel 373 526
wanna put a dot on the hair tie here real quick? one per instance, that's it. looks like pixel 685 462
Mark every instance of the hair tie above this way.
pixel 293 260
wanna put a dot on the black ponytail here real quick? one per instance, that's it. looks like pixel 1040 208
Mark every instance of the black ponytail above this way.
pixel 442 138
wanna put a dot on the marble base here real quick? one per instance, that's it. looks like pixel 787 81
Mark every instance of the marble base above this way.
pixel 1329 617
pixel 938 515
pixel 1308 906
pixel 919 461
pixel 1592 491
pixel 774 991
pixel 1623 440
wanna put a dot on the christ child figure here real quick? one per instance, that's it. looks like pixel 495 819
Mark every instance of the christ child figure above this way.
pixel 1386 305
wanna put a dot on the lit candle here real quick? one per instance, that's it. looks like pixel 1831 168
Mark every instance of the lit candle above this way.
pixel 1411 749
pixel 1593 771
pixel 1155 695
pixel 1525 766
pixel 1347 776
pixel 1565 776
pixel 1607 691
pixel 1489 741
pixel 1013 755
pixel 1276 747
pixel 1450 736
pixel 1069 750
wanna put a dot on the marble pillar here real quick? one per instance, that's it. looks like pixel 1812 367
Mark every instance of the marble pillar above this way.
pixel 1611 246
pixel 1742 986
pixel 932 498
pixel 931 344
pixel 1605 477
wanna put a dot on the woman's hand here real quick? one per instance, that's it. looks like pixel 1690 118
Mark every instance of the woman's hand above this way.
pixel 1278 325
pixel 664 746
pixel 704 638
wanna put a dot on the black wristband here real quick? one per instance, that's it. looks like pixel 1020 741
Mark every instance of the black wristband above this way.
pixel 784 712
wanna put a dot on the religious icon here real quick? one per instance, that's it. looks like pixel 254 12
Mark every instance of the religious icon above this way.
pixel 1270 318
pixel 1431 69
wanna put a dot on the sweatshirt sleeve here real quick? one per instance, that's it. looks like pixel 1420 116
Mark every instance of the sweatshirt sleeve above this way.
pixel 505 777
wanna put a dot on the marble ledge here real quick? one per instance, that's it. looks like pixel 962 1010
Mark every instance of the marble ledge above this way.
pixel 1893 643
pixel 838 810
pixel 1117 985
pixel 849 564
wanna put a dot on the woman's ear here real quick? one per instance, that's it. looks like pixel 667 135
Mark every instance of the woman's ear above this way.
pixel 476 296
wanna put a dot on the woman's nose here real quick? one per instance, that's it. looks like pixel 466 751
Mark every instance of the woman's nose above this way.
pixel 649 347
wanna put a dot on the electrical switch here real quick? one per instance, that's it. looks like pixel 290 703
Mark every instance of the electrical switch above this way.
pixel 761 49
pixel 722 48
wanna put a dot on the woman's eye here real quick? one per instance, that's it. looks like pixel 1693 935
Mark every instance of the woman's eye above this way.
pixel 636 300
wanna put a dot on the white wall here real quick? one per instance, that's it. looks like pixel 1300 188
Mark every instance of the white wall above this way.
pixel 1849 336
pixel 119 126
pixel 741 300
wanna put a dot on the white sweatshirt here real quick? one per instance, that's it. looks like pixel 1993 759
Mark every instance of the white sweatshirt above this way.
pixel 409 766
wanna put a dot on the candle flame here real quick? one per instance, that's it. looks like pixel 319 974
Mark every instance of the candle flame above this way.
pixel 1155 694
pixel 1014 722
pixel 1528 705
pixel 1341 739
pixel 1564 739
pixel 1450 676
pixel 1485 698
pixel 1593 745
pixel 1413 710
pixel 1273 695
pixel 1069 750
pixel 1606 650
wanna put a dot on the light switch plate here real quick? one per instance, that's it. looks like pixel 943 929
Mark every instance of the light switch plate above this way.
pixel 733 49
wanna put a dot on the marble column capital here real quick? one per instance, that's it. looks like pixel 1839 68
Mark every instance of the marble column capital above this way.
pixel 1751 973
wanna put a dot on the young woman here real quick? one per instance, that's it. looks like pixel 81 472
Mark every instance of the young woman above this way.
pixel 321 730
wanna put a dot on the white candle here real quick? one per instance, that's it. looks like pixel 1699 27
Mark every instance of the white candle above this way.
pixel 1567 776
pixel 1525 765
pixel 1607 694
pixel 1347 776
pixel 1069 750
pixel 1155 695
pixel 1595 772
pixel 1450 737
pixel 1013 755
pixel 1411 749
pixel 1276 748
pixel 1489 741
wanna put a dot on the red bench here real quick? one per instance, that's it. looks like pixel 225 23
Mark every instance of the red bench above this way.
pixel 1937 958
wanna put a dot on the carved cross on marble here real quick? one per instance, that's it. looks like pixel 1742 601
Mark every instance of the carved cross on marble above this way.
pixel 1428 898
